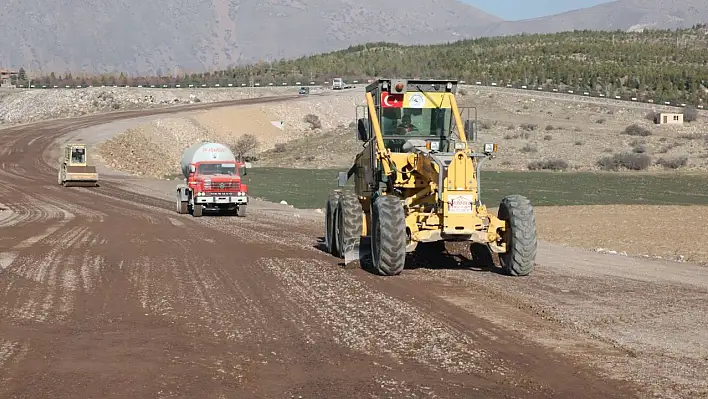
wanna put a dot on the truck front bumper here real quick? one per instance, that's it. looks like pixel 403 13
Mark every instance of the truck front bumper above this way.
pixel 241 199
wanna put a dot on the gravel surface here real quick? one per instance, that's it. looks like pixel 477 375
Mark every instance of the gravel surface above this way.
pixel 110 286
pixel 253 307
pixel 22 106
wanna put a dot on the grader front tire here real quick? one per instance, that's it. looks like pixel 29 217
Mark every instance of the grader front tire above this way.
pixel 331 238
pixel 520 236
pixel 388 236
pixel 349 223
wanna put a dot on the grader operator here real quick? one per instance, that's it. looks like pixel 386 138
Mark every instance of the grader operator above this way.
pixel 417 180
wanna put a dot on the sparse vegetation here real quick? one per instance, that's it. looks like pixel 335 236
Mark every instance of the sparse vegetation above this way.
pixel 639 149
pixel 548 164
pixel 313 121
pixel 548 137
pixel 636 130
pixel 690 114
pixel 529 127
pixel 244 145
pixel 280 147
pixel 629 161
pixel 673 163
pixel 529 148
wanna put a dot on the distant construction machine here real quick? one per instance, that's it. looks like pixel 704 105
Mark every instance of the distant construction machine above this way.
pixel 74 170
pixel 417 180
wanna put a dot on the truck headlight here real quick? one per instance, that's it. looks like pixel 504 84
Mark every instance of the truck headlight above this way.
pixel 460 145
pixel 490 148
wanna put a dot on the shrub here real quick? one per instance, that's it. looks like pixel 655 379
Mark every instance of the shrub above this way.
pixel 579 142
pixel 673 163
pixel 550 127
pixel 690 114
pixel 651 116
pixel 313 120
pixel 528 147
pixel 629 161
pixel 639 149
pixel 636 130
pixel 548 164
pixel 690 136
pixel 244 145
pixel 601 121
pixel 548 137
pixel 529 127
pixel 280 147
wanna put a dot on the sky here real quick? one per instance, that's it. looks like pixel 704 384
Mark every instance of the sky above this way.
pixel 511 10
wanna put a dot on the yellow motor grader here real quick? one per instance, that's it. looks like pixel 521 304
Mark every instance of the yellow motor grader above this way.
pixel 417 180
pixel 74 170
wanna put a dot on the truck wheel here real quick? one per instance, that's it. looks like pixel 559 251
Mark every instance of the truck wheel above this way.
pixel 59 176
pixel 330 237
pixel 349 223
pixel 182 206
pixel 197 211
pixel 241 211
pixel 388 235
pixel 520 237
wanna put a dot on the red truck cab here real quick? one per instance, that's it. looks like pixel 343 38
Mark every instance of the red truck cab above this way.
pixel 217 185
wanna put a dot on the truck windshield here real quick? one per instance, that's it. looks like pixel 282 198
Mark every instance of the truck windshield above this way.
pixel 217 169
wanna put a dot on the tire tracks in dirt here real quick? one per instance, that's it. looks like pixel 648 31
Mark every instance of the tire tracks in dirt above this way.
pixel 110 292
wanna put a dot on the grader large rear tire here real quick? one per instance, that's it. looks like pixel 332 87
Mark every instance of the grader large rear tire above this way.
pixel 330 237
pixel 520 237
pixel 349 223
pixel 388 236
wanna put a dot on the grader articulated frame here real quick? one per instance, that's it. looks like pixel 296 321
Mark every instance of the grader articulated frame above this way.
pixel 419 182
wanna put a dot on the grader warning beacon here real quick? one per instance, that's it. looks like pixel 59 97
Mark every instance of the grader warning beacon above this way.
pixel 417 180
pixel 74 170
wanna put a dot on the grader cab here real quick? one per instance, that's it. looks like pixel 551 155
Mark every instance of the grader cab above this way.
pixel 74 170
pixel 417 180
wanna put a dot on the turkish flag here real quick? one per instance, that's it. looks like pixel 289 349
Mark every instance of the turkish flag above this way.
pixel 389 100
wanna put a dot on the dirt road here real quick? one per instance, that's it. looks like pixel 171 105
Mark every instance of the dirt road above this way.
pixel 107 292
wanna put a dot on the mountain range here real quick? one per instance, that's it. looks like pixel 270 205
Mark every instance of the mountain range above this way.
pixel 169 36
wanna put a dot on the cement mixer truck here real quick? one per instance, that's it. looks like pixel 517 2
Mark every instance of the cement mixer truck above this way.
pixel 213 181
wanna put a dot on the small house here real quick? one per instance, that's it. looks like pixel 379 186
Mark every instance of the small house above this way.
pixel 668 118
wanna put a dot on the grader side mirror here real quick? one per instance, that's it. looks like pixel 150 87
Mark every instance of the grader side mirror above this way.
pixel 363 133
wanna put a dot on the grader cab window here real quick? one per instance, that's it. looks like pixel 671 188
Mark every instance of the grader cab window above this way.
pixel 400 124
pixel 78 155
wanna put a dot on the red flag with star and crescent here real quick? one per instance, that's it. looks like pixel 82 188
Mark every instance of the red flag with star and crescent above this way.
pixel 389 100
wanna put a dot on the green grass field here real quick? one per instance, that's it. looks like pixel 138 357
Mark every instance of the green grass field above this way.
pixel 304 188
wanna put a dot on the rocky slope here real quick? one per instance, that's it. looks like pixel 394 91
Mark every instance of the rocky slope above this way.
pixel 22 106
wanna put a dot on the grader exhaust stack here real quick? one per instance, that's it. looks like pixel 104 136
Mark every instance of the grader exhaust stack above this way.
pixel 417 180
pixel 74 170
